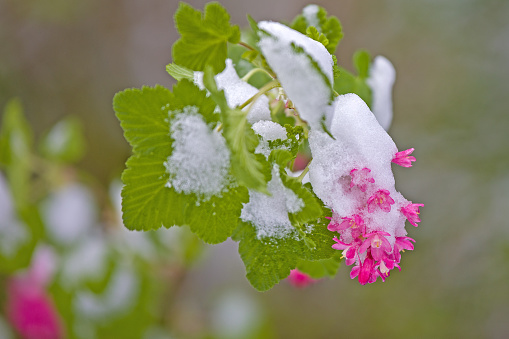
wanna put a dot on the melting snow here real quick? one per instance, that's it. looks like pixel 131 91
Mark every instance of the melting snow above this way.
pixel 269 214
pixel 200 160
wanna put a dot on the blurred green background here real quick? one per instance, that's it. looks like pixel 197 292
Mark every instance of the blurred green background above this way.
pixel 450 103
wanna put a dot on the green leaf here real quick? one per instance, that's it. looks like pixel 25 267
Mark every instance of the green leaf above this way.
pixel 330 27
pixel 204 38
pixel 147 202
pixel 15 151
pixel 361 60
pixel 313 33
pixel 179 72
pixel 65 142
pixel 350 83
pixel 270 259
pixel 248 168
pixel 318 269
pixel 29 229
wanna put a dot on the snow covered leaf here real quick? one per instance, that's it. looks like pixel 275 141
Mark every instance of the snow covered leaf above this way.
pixel 64 142
pixel 248 168
pixel 281 228
pixel 381 80
pixel 269 259
pixel 292 55
pixel 317 269
pixel 316 16
pixel 179 173
pixel 203 38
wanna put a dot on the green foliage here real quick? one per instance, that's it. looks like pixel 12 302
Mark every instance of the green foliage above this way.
pixel 29 221
pixel 361 60
pixel 249 169
pixel 147 201
pixel 179 72
pixel 16 151
pixel 318 269
pixel 204 37
pixel 350 83
pixel 65 142
pixel 329 27
pixel 269 260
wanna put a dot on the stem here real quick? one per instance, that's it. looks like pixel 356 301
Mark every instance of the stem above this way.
pixel 254 71
pixel 243 44
pixel 304 172
pixel 267 87
pixel 336 93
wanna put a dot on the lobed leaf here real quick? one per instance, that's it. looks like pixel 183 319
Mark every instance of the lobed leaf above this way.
pixel 204 37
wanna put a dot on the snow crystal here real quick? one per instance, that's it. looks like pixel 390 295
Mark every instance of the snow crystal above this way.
pixel 381 79
pixel 311 92
pixel 268 131
pixel 69 214
pixel 200 160
pixel 310 13
pixel 238 92
pixel 269 214
pixel 360 143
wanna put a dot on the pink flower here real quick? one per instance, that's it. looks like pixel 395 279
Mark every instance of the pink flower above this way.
pixel 401 244
pixel 378 244
pixel 411 212
pixel 382 199
pixel 361 178
pixel 31 311
pixel 355 222
pixel 404 158
pixel 300 279
pixel 351 249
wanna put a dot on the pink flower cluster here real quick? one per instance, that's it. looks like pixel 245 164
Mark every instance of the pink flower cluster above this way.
pixel 368 241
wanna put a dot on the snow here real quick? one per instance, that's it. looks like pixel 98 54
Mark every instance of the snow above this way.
pixel 310 13
pixel 268 131
pixel 381 80
pixel 69 214
pixel 269 213
pixel 360 142
pixel 238 92
pixel 200 161
pixel 311 94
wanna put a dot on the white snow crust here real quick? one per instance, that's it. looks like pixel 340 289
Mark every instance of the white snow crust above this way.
pixel 200 160
pixel 360 143
pixel 237 92
pixel 302 82
pixel 310 13
pixel 381 80
pixel 268 131
pixel 269 214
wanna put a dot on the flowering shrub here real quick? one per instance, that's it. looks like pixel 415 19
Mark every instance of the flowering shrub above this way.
pixel 215 153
